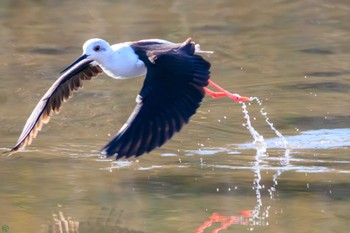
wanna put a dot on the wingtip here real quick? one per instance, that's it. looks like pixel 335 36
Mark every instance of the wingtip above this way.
pixel 188 45
pixel 188 40
pixel 104 152
pixel 10 151
pixel 107 154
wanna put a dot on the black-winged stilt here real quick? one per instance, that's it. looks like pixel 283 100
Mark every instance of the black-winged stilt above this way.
pixel 175 84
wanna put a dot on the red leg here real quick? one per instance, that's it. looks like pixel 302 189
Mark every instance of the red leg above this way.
pixel 214 94
pixel 223 92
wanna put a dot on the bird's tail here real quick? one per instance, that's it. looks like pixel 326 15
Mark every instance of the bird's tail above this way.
pixel 198 50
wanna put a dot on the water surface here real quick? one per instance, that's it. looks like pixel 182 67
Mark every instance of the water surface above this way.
pixel 293 55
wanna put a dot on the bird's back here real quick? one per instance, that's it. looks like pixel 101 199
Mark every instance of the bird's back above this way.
pixel 172 91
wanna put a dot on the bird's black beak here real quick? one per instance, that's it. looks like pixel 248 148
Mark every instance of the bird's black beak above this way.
pixel 75 62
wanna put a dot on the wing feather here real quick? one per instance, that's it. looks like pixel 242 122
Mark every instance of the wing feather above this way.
pixel 171 94
pixel 61 90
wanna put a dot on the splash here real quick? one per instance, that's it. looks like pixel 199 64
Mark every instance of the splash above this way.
pixel 267 120
pixel 283 160
pixel 259 139
pixel 259 216
pixel 261 151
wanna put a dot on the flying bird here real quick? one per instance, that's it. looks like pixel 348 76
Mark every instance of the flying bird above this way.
pixel 175 84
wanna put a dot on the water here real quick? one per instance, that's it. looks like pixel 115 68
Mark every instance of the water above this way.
pixel 294 56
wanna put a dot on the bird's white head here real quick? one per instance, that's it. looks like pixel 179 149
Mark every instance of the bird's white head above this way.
pixel 118 61
pixel 96 49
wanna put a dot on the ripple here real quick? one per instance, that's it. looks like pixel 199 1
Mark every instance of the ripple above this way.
pixel 303 169
pixel 312 139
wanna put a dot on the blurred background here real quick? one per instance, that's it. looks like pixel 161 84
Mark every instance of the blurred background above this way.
pixel 292 55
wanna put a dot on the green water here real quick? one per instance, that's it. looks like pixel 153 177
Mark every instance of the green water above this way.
pixel 292 55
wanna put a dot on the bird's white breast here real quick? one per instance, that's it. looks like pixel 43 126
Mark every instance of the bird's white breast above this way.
pixel 123 63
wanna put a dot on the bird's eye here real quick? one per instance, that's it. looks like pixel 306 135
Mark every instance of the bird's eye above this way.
pixel 97 48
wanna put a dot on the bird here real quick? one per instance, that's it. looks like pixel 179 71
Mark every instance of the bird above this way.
pixel 176 80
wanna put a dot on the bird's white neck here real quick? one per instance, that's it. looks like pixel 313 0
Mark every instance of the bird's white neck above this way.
pixel 122 62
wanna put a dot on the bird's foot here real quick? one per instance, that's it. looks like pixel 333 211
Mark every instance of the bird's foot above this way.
pixel 224 93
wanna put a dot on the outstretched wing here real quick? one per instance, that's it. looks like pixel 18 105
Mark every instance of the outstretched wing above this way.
pixel 59 92
pixel 171 93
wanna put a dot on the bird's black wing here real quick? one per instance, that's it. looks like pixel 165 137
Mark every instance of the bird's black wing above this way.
pixel 171 93
pixel 59 92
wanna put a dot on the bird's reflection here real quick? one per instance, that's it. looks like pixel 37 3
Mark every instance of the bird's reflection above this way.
pixel 107 220
pixel 226 221
pixel 258 215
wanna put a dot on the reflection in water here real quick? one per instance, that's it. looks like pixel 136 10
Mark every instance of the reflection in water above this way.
pixel 259 214
pixel 226 221
pixel 281 51
pixel 107 220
